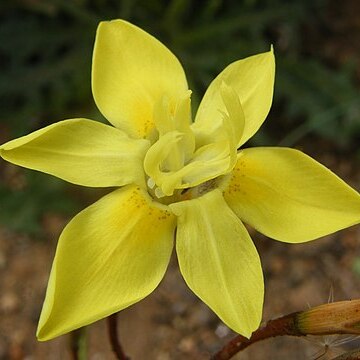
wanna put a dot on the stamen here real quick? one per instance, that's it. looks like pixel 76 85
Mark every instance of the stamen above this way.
pixel 159 193
pixel 151 183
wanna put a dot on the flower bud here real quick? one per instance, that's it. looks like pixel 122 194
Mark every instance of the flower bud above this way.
pixel 341 317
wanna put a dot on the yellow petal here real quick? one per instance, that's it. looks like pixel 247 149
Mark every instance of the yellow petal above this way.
pixel 290 197
pixel 219 261
pixel 80 151
pixel 252 79
pixel 111 255
pixel 235 116
pixel 131 72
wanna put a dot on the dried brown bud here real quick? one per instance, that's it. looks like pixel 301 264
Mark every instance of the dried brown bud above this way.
pixel 341 317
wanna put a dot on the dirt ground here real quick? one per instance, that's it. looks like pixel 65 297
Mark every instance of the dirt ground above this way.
pixel 172 323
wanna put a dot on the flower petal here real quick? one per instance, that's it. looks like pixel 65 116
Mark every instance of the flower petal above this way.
pixel 111 255
pixel 219 261
pixel 252 79
pixel 131 72
pixel 80 151
pixel 290 197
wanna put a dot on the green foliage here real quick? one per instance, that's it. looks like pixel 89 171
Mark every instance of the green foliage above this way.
pixel 46 48
pixel 44 72
pixel 356 266
pixel 22 207
pixel 327 101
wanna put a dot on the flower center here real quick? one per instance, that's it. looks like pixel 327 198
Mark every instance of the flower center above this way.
pixel 180 159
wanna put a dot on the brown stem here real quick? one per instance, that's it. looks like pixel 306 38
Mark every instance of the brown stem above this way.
pixel 341 317
pixel 285 325
pixel 74 345
pixel 114 338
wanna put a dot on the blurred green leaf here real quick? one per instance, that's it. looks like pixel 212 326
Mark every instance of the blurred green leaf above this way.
pixel 356 266
pixel 22 209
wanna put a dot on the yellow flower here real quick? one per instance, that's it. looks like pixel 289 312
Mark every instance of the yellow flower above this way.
pixel 174 174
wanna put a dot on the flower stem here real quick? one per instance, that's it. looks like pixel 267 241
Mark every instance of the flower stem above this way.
pixel 285 325
pixel 342 317
pixel 78 344
pixel 114 338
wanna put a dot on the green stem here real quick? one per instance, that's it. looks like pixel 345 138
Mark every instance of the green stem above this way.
pixel 78 344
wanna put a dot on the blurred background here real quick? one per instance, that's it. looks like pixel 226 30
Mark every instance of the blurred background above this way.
pixel 45 58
